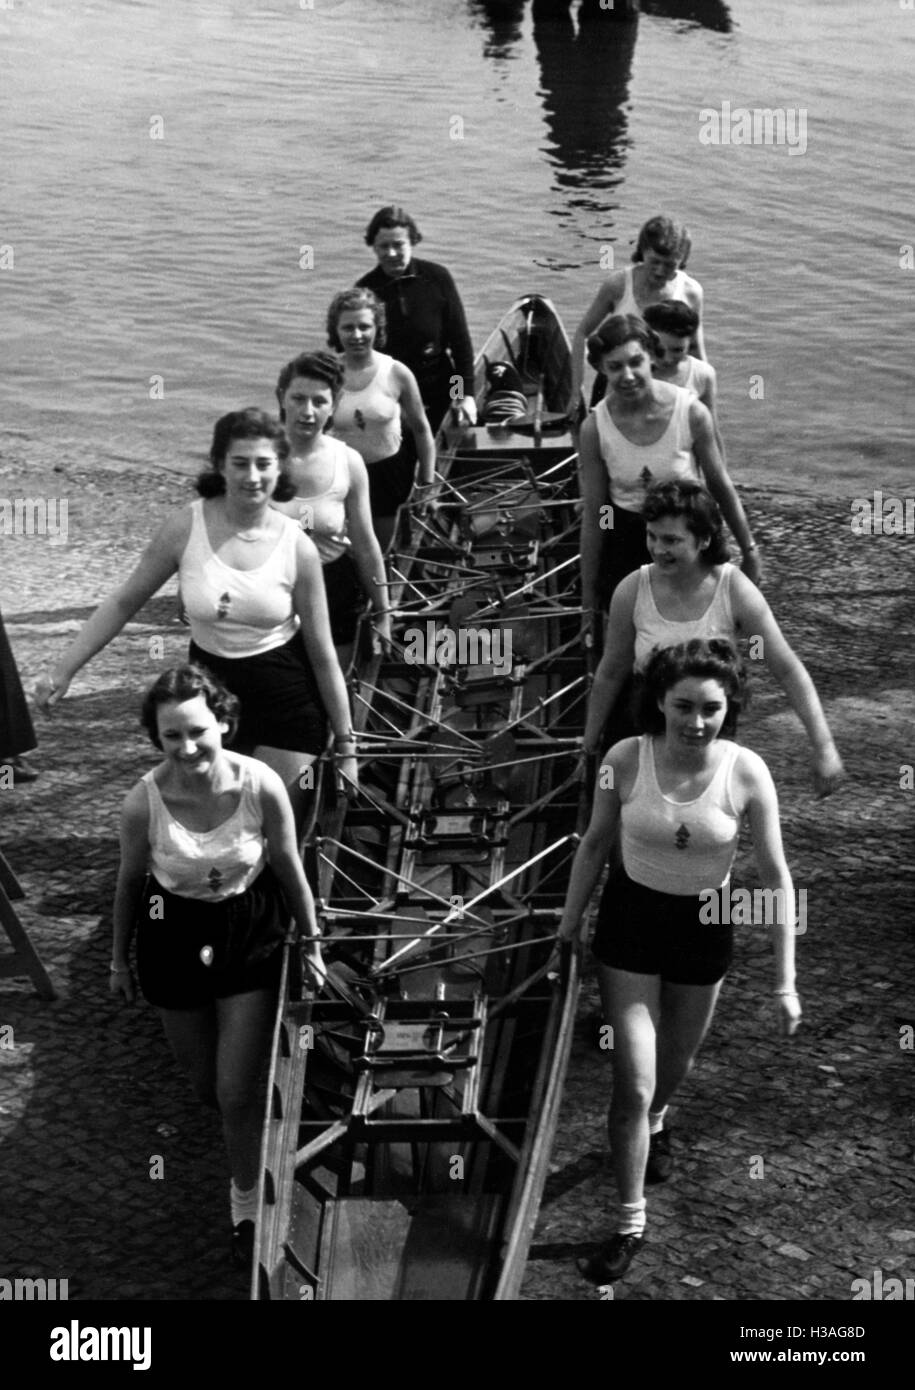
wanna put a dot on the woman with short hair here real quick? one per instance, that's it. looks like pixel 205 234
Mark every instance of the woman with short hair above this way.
pixel 657 274
pixel 426 324
pixel 378 397
pixel 331 501
pixel 691 590
pixel 644 431
pixel 254 593
pixel 675 797
pixel 208 878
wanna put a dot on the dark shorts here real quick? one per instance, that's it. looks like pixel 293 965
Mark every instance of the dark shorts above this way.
pixel 280 705
pixel 245 936
pixel 624 550
pixel 345 598
pixel 651 933
pixel 391 480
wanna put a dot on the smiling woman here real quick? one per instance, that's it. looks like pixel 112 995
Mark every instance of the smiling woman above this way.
pixel 209 910
pixel 690 591
pixel 644 431
pixel 254 594
pixel 674 798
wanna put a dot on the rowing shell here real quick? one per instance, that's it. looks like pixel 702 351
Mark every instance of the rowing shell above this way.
pixel 412 1107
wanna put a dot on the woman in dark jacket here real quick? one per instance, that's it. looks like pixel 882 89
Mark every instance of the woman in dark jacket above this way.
pixel 426 326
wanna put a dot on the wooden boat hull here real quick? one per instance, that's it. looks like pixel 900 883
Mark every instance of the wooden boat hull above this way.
pixel 412 1107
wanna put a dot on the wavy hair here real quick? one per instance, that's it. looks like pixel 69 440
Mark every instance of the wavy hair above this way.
pixel 180 683
pixel 706 658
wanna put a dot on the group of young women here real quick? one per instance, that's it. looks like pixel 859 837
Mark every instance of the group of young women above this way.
pixel 673 787
pixel 276 558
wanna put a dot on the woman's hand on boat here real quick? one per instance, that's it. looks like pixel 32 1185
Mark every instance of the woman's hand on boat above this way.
pixel 828 770
pixel 49 690
pixel 347 775
pixel 314 970
pixel 381 628
pixel 789 1013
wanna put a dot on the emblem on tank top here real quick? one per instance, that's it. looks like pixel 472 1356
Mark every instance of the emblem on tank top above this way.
pixel 646 477
pixel 359 419
pixel 214 878
pixel 224 601
pixel 681 839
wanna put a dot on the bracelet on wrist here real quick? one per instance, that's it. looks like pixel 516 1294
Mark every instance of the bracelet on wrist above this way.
pixel 119 969
pixel 782 993
pixel 745 550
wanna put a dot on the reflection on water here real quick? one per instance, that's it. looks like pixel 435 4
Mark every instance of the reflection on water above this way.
pixel 584 84
pixel 503 19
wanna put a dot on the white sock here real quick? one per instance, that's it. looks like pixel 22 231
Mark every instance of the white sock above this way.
pixel 243 1204
pixel 656 1120
pixel 632 1218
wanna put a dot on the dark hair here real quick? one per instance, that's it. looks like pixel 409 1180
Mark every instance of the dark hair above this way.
pixel 358 298
pixel 250 423
pixel 711 658
pixel 617 330
pixel 320 366
pixel 181 683
pixel 672 316
pixel 666 237
pixel 389 217
pixel 699 510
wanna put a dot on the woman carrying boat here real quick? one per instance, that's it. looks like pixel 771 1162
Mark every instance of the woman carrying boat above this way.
pixel 252 584
pixel 210 912
pixel 332 498
pixel 426 325
pixel 378 396
pixel 657 274
pixel 690 590
pixel 675 797
pixel 642 432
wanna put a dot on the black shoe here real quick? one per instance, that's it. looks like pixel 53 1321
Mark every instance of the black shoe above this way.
pixel 660 1160
pixel 612 1260
pixel 242 1248
pixel 23 771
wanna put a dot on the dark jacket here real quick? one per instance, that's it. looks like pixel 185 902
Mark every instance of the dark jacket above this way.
pixel 426 327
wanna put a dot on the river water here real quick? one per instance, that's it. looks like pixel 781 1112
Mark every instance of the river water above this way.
pixel 164 166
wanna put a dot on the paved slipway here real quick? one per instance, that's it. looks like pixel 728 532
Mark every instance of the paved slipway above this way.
pixel 794 1158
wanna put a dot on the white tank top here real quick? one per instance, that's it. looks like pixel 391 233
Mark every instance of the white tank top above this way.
pixel 679 847
pixel 209 865
pixel 369 420
pixel 632 468
pixel 674 289
pixel 652 630
pixel 234 612
pixel 698 376
pixel 323 515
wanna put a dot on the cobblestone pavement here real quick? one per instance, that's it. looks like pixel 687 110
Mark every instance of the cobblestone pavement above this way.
pixel 794 1158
